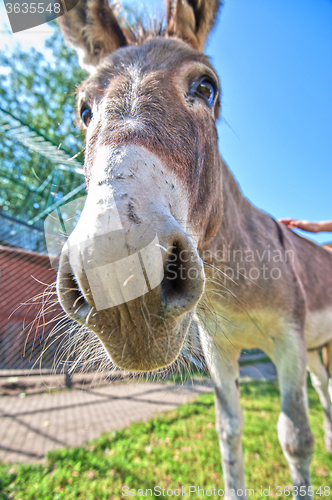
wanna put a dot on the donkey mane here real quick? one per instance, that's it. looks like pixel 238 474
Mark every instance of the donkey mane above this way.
pixel 142 25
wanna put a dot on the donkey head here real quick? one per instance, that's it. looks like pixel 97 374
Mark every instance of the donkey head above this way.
pixel 131 270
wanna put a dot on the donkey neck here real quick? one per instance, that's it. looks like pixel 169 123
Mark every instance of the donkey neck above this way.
pixel 237 213
pixel 241 225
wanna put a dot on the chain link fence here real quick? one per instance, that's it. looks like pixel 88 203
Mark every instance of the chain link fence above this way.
pixel 28 306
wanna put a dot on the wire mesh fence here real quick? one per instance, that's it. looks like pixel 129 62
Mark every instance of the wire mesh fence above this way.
pixel 19 234
pixel 27 316
pixel 24 277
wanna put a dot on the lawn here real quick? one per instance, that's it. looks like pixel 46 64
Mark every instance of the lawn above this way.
pixel 176 449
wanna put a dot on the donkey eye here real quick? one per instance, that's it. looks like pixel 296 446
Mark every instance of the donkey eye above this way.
pixel 86 115
pixel 206 89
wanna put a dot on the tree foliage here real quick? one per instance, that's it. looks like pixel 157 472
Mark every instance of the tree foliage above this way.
pixel 38 88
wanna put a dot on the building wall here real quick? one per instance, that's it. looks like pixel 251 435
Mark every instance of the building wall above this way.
pixel 24 277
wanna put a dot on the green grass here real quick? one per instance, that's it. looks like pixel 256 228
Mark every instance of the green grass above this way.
pixel 178 448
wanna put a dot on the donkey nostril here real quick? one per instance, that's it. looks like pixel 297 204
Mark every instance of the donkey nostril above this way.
pixel 70 295
pixel 77 295
pixel 170 282
pixel 174 272
pixel 183 282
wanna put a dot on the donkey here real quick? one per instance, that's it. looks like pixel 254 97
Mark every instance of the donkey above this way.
pixel 167 241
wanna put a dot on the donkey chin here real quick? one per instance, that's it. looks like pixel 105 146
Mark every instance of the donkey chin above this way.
pixel 129 271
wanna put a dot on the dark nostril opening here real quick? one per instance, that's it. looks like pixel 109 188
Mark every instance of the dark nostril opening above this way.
pixel 175 272
pixel 70 295
pixel 183 281
pixel 76 296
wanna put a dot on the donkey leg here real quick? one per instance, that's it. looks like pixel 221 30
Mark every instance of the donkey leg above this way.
pixel 320 381
pixel 224 372
pixel 328 366
pixel 294 433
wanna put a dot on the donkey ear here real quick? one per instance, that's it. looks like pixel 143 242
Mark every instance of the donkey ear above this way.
pixel 191 20
pixel 92 29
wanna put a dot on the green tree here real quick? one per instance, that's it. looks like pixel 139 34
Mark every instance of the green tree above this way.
pixel 39 89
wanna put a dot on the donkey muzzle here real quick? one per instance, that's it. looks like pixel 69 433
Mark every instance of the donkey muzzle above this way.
pixel 129 271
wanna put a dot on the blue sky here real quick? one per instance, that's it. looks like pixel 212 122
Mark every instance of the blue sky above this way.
pixel 274 59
